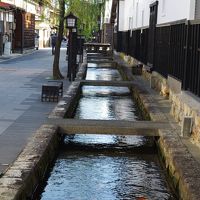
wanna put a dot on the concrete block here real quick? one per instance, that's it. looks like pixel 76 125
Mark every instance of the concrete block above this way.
pixel 7 193
pixel 137 70
pixel 186 127
pixel 174 84
pixel 151 82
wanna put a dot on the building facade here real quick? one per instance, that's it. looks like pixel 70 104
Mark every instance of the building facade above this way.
pixel 162 35
pixel 24 21
pixel 6 27
pixel 46 21
pixel 18 26
pixel 135 13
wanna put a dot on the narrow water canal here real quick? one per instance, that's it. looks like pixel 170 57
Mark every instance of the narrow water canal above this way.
pixel 107 167
pixel 102 72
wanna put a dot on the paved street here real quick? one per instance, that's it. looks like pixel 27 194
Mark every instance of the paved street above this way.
pixel 21 111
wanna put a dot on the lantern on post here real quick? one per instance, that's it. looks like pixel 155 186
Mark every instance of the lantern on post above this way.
pixel 71 24
pixel 71 21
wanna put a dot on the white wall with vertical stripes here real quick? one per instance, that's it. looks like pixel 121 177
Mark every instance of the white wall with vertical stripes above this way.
pixel 135 13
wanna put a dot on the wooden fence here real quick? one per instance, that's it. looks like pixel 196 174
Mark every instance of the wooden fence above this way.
pixel 177 50
pixel 192 71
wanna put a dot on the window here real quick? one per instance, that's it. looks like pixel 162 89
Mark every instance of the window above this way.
pixel 163 7
pixel 11 17
pixel 142 17
pixel 137 14
pixel 1 16
pixel 130 23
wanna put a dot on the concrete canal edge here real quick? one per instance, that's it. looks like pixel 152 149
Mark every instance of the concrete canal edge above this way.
pixel 23 177
pixel 183 169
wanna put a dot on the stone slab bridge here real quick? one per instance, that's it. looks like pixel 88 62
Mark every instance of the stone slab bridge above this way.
pixel 111 127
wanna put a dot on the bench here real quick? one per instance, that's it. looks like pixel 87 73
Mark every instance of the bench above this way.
pixel 52 90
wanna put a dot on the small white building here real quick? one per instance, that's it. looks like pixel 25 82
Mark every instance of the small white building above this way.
pixel 135 13
pixel 45 22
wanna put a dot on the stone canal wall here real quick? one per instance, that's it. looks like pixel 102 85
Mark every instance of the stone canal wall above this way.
pixel 182 167
pixel 22 179
pixel 183 103
pixel 185 106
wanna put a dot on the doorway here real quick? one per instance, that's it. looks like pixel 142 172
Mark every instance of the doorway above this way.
pixel 152 33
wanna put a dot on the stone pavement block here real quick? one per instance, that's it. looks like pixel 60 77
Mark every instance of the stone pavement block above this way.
pixel 7 193
pixel 186 166
pixel 190 188
pixel 4 125
pixel 15 173
pixel 13 183
pixel 22 163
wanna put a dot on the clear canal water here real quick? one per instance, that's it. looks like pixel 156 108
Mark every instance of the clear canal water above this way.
pixel 102 72
pixel 107 167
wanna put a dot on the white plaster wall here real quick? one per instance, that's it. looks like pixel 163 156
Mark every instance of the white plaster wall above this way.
pixel 107 14
pixel 135 13
pixel 126 13
pixel 122 16
pixel 175 10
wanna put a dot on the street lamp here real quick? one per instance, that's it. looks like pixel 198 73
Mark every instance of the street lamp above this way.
pixel 71 24
pixel 71 21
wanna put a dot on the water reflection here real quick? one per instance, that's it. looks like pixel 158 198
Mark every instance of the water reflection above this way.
pixel 107 103
pixel 100 65
pixel 103 74
pixel 107 167
pixel 96 60
pixel 78 175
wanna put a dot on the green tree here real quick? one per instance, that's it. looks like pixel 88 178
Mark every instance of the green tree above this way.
pixel 48 3
pixel 88 13
pixel 56 69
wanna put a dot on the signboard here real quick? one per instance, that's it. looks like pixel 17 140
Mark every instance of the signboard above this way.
pixel 28 7
pixel 9 1
pixel 31 8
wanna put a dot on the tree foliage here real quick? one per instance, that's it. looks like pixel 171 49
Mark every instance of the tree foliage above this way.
pixel 87 12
